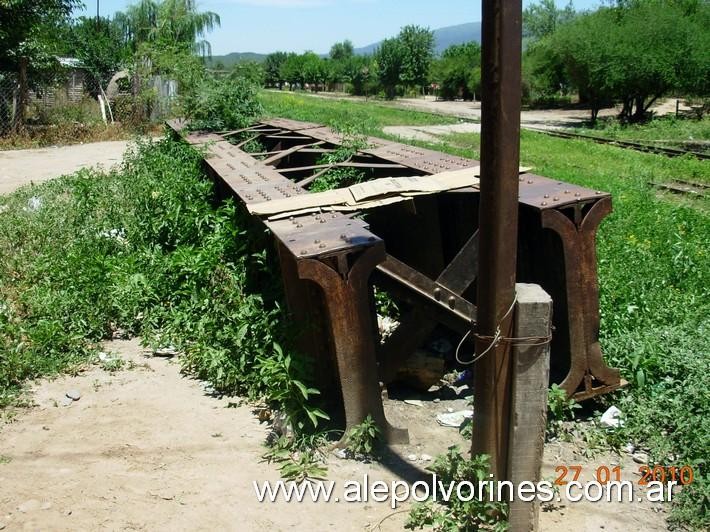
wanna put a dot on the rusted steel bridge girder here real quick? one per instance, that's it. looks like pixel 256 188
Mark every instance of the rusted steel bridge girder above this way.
pixel 425 251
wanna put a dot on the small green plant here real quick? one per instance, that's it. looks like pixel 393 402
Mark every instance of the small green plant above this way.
pixel 297 459
pixel 362 440
pixel 456 514
pixel 113 364
pixel 338 177
pixel 386 306
pixel 5 459
pixel 560 409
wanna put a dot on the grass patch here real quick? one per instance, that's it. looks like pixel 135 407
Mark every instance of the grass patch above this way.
pixel 65 134
pixel 686 133
pixel 368 117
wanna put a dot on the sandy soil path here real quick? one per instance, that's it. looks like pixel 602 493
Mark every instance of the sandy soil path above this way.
pixel 20 167
pixel 148 449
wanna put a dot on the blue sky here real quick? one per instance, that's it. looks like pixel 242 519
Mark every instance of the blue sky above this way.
pixel 297 25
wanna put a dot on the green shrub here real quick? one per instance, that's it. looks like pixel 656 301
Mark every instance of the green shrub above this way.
pixel 222 103
pixel 142 249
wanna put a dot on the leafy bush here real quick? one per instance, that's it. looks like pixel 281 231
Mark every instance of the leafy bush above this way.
pixel 222 103
pixel 141 249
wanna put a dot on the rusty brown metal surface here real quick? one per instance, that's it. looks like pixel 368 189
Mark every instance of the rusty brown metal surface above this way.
pixel 498 227
pixel 347 302
pixel 289 163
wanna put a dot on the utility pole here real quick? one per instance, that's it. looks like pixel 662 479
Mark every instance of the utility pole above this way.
pixel 498 226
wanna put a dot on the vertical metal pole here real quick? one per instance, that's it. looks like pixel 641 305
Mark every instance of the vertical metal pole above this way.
pixel 498 225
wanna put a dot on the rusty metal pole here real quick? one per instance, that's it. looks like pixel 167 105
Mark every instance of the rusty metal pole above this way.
pixel 498 225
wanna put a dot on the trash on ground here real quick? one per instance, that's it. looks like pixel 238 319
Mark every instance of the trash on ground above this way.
pixel 454 419
pixel 612 418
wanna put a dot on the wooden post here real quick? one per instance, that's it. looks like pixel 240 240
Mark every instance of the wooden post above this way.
pixel 528 415
pixel 498 227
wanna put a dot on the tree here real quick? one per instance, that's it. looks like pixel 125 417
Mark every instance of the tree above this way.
pixel 359 72
pixel 389 57
pixel 633 53
pixel 458 72
pixel 22 28
pixel 417 52
pixel 176 24
pixel 292 70
pixel 313 70
pixel 272 69
pixel 342 51
pixel 543 19
pixel 99 45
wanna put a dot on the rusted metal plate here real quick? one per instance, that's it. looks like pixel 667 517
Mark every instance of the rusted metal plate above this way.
pixel 544 193
pixel 293 125
pixel 322 234
pixel 421 159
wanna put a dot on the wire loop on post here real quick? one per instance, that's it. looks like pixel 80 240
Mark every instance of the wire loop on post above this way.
pixel 498 339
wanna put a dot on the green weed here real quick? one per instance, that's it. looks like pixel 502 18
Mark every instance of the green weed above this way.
pixel 363 439
pixel 458 513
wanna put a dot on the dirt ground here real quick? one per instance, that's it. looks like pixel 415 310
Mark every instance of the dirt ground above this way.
pixel 20 167
pixel 146 448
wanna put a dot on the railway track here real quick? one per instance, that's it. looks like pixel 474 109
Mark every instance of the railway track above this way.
pixel 638 146
pixel 688 188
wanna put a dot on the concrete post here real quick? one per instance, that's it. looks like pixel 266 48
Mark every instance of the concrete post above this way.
pixel 530 381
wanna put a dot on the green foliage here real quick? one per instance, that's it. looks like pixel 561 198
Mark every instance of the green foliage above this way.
pixel 405 59
pixel 142 249
pixel 362 440
pixel 342 51
pixel 389 57
pixel 559 406
pixel 458 72
pixel 250 71
pixel 559 409
pixel 543 19
pixel 272 69
pixel 222 103
pixel 296 463
pixel 25 29
pixel 417 46
pixel 631 53
pixel 167 23
pixel 100 47
pixel 341 176
pixel 456 514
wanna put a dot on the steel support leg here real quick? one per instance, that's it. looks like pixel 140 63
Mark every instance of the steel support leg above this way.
pixel 346 292
pixel 582 284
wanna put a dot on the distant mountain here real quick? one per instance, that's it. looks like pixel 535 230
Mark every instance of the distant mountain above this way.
pixel 443 38
pixel 229 60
